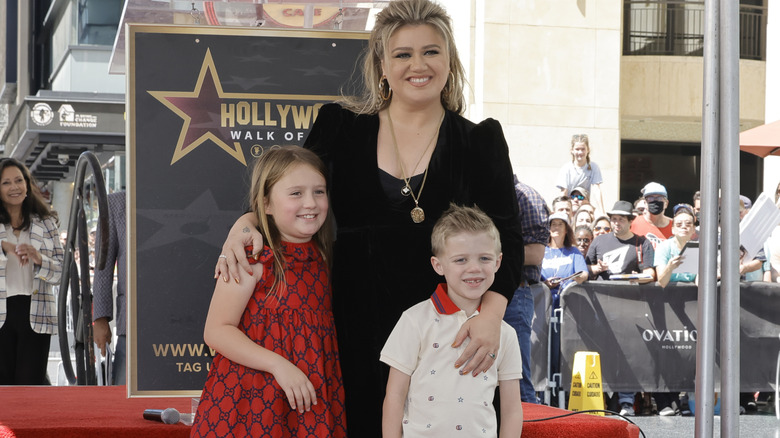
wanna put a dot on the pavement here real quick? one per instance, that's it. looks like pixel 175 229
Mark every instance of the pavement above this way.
pixel 761 423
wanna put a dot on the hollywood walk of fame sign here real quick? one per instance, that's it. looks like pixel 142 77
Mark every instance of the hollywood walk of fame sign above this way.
pixel 203 103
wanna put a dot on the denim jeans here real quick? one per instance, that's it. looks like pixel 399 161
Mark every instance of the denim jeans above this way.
pixel 626 397
pixel 519 314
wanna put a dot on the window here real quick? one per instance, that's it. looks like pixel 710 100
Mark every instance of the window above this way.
pixel 676 27
pixel 98 21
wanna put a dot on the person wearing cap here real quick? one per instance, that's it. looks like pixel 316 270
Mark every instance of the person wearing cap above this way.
pixel 654 224
pixel 608 255
pixel 744 206
pixel 561 257
pixel 579 196
pixel 622 252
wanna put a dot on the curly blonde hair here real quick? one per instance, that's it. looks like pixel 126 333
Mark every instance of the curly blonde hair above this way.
pixel 397 14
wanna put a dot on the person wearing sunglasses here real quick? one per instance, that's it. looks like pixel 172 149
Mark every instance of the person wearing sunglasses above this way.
pixel 601 226
pixel 581 171
pixel 579 197
pixel 583 235
pixel 654 224
pixel 667 254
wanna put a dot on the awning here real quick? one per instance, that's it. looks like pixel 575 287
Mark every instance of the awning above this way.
pixel 52 129
pixel 762 140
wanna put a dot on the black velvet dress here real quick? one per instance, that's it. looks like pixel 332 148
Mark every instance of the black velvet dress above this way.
pixel 381 261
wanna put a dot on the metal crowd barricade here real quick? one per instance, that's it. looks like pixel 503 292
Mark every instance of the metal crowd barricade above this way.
pixel 545 325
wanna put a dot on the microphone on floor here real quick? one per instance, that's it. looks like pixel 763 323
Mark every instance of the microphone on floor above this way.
pixel 167 416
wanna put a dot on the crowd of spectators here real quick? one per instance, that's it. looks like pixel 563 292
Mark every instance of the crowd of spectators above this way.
pixel 584 234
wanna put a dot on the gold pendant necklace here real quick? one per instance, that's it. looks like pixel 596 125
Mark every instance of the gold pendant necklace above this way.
pixel 417 213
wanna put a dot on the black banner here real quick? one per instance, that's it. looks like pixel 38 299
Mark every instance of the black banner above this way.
pixel 646 335
pixel 203 102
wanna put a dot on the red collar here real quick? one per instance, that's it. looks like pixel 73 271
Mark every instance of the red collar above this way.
pixel 442 302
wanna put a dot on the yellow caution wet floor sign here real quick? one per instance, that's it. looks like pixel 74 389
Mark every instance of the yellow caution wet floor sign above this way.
pixel 586 390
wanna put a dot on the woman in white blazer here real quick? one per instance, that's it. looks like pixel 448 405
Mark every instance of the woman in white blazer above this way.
pixel 30 267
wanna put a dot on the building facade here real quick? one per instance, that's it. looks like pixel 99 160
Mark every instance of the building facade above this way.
pixel 625 72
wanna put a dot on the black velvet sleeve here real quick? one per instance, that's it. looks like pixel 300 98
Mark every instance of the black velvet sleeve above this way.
pixel 493 191
pixel 326 128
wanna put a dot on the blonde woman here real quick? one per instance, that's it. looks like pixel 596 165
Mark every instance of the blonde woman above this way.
pixel 398 155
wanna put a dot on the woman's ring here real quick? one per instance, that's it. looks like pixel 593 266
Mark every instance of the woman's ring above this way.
pixel 492 355
pixel 222 256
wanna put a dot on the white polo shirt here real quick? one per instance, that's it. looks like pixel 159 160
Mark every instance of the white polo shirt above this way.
pixel 441 402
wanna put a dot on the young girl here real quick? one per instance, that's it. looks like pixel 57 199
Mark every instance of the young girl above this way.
pixel 581 172
pixel 277 369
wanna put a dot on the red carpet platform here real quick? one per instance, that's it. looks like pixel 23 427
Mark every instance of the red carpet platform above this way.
pixel 83 411
pixel 89 411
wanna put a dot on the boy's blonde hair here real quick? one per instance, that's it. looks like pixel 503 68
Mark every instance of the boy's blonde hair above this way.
pixel 460 219
pixel 269 168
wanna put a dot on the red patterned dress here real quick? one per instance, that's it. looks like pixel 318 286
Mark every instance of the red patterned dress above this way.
pixel 238 401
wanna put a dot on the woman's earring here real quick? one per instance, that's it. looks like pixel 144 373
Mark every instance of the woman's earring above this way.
pixel 382 85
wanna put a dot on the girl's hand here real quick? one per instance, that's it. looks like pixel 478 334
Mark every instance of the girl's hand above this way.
pixel 480 354
pixel 300 392
pixel 675 261
pixel 27 253
pixel 233 255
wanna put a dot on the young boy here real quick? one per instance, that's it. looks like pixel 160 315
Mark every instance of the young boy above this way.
pixel 426 395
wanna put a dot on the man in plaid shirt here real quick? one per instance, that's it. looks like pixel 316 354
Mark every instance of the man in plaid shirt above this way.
pixel 520 311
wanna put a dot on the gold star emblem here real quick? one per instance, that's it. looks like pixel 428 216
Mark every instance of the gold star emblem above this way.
pixel 200 110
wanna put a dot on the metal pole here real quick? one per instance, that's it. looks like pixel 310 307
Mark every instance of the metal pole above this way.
pixel 705 347
pixel 730 255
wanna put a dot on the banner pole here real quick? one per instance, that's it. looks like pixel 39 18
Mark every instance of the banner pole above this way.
pixel 705 347
pixel 730 252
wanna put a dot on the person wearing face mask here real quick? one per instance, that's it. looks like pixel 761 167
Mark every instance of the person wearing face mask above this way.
pixel 654 224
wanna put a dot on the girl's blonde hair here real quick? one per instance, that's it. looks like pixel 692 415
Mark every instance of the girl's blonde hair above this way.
pixel 581 138
pixel 269 168
pixel 397 14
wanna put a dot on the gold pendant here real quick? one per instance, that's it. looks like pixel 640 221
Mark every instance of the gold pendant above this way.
pixel 406 190
pixel 418 215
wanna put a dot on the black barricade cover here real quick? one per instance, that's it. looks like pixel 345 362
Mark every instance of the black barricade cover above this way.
pixel 203 103
pixel 646 335
pixel 540 329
